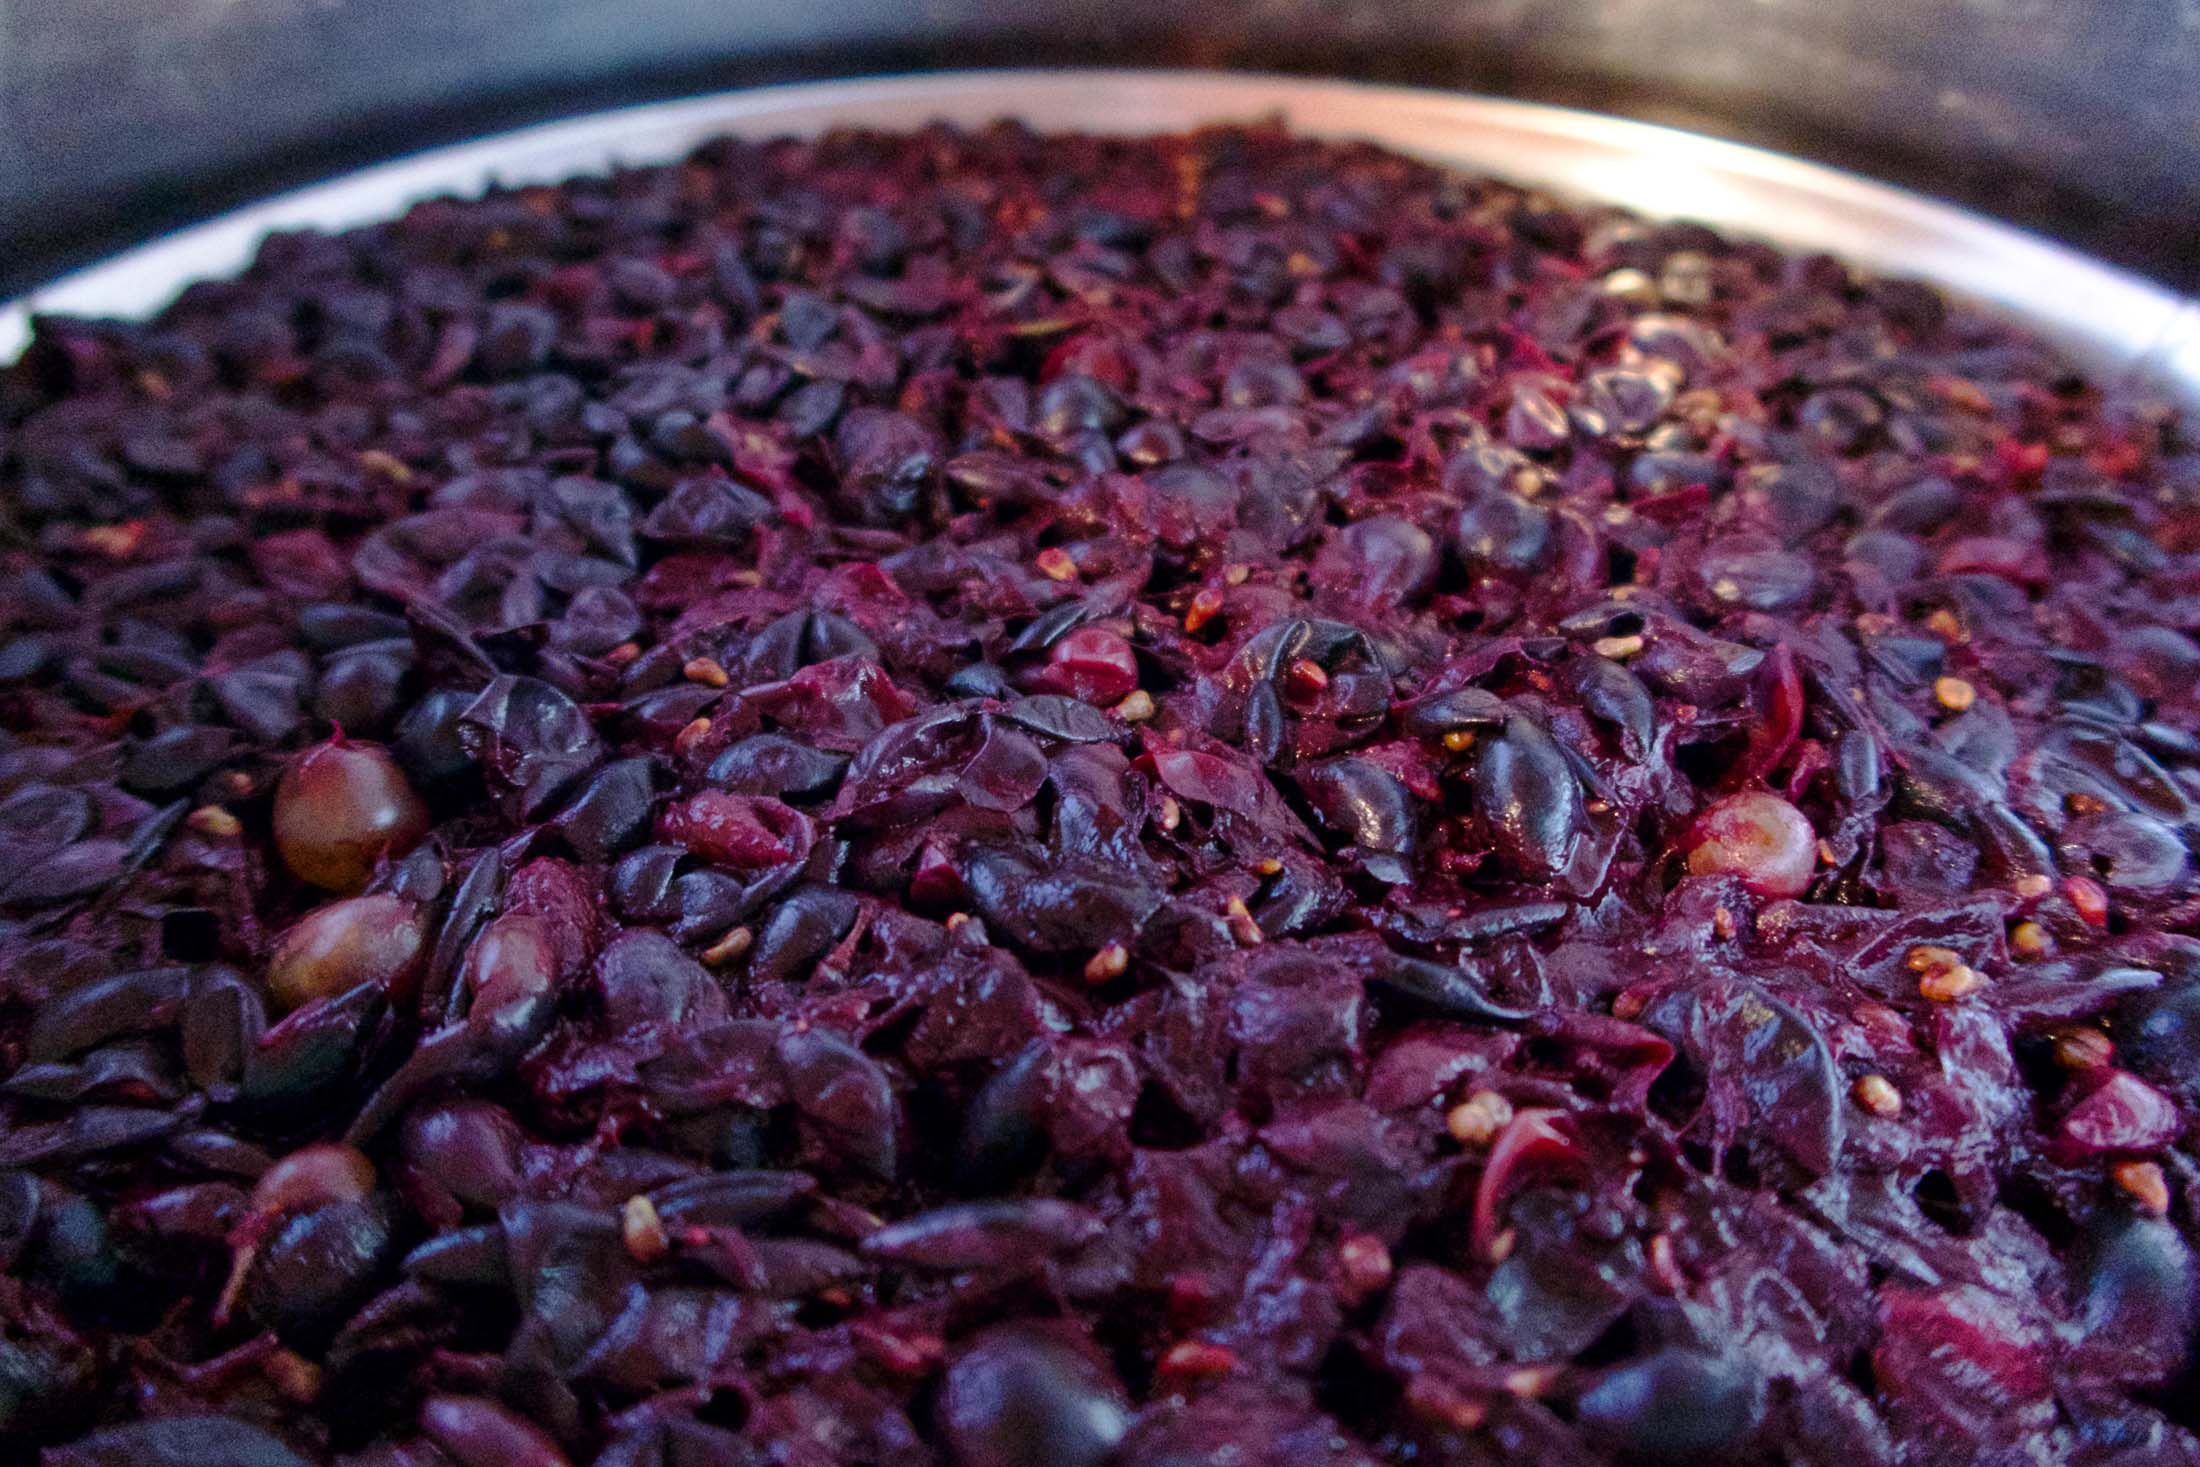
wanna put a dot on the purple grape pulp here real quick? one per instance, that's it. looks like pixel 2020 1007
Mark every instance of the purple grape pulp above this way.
pixel 983 799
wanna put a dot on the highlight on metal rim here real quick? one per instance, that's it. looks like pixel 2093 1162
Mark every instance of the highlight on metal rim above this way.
pixel 2114 322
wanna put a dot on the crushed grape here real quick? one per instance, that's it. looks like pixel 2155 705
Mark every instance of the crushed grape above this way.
pixel 981 799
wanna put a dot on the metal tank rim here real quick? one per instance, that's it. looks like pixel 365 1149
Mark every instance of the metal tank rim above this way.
pixel 2125 328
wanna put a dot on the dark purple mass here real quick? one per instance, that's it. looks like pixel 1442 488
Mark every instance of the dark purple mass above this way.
pixel 1014 801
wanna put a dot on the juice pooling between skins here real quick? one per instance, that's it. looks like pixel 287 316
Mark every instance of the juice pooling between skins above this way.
pixel 984 799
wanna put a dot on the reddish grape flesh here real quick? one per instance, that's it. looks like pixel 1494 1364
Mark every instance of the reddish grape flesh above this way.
pixel 974 798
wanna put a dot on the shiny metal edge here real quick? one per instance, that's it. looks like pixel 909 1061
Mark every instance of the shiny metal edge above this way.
pixel 2116 323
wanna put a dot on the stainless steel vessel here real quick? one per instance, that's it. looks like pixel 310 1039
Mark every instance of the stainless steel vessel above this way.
pixel 2115 321
pixel 121 118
